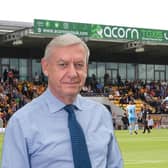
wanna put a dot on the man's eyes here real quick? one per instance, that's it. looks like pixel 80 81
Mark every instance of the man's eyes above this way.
pixel 62 64
pixel 76 65
pixel 79 65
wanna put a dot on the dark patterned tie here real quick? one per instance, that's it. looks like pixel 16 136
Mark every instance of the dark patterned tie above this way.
pixel 79 147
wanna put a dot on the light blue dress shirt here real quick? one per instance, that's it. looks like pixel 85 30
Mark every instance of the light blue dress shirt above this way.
pixel 37 135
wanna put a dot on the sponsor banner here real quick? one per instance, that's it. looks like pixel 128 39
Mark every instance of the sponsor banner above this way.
pixel 105 32
pixel 59 27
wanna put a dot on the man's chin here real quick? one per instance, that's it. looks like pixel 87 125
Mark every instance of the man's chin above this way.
pixel 71 92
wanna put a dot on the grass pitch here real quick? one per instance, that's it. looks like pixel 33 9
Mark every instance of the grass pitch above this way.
pixel 142 150
pixel 1 141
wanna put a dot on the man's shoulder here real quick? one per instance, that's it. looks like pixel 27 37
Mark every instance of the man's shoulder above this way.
pixel 91 103
pixel 29 108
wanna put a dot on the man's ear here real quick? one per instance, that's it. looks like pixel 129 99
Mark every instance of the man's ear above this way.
pixel 44 65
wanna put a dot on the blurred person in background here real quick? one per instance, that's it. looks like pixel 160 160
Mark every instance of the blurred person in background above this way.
pixel 131 112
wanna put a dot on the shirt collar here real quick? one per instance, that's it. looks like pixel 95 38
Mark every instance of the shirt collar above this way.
pixel 55 105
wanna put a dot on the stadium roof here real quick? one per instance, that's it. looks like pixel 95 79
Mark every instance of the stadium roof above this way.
pixel 20 35
pixel 11 26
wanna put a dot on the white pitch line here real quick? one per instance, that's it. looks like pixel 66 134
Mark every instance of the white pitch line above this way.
pixel 143 161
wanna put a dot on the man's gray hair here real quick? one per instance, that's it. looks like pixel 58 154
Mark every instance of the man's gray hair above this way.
pixel 66 40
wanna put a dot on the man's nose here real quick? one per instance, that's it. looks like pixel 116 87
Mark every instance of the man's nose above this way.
pixel 72 71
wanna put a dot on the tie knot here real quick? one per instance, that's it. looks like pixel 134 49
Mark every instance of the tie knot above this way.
pixel 69 108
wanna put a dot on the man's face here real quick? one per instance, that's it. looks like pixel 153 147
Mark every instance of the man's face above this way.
pixel 66 69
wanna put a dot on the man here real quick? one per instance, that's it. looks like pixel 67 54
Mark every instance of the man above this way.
pixel 39 135
pixel 150 122
pixel 125 121
pixel 131 111
pixel 144 119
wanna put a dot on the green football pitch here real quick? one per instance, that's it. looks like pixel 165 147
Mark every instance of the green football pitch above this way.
pixel 142 150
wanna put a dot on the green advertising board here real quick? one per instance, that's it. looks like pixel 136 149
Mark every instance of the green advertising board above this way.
pixel 95 31
pixel 127 33
pixel 59 27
